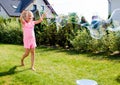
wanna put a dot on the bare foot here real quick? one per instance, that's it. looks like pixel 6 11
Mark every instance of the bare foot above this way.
pixel 33 69
pixel 22 64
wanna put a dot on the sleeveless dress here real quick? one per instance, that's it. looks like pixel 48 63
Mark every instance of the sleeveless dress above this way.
pixel 29 35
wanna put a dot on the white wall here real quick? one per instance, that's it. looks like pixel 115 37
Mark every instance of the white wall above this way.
pixel 30 7
pixel 47 10
pixel 115 4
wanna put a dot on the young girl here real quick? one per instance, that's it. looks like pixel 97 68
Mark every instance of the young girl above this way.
pixel 29 41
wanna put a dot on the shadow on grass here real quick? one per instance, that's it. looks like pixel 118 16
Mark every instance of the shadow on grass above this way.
pixel 114 57
pixel 99 56
pixel 118 79
pixel 11 71
pixel 52 48
pixel 104 56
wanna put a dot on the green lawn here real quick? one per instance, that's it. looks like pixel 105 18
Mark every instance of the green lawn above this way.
pixel 57 67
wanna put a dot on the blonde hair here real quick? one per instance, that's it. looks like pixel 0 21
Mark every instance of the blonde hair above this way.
pixel 27 14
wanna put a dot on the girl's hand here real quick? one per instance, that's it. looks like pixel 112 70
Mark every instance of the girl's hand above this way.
pixel 41 19
pixel 43 15
pixel 22 16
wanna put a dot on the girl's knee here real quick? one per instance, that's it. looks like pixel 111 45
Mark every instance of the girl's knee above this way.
pixel 32 52
pixel 26 54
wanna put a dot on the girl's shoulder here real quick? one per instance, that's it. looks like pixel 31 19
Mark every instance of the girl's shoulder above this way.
pixel 32 22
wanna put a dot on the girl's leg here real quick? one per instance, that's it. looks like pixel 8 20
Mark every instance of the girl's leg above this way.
pixel 24 56
pixel 32 58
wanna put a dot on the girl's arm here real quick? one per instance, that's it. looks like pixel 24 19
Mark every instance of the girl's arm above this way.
pixel 21 17
pixel 40 20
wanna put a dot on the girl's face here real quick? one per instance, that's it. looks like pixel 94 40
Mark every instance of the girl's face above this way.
pixel 29 16
pixel 28 19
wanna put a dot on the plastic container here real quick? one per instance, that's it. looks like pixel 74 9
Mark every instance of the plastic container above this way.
pixel 86 82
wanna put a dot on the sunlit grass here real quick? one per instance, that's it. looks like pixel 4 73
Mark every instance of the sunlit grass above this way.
pixel 56 67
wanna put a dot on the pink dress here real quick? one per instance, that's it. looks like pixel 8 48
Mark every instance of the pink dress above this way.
pixel 29 35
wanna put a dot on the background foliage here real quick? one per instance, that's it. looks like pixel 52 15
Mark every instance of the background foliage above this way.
pixel 70 36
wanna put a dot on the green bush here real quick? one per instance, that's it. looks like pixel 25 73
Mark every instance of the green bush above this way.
pixel 81 41
pixel 114 40
pixel 10 31
pixel 50 35
pixel 108 43
pixel 45 35
pixel 71 35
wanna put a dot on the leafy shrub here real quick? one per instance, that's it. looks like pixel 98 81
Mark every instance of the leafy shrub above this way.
pixel 45 34
pixel 10 31
pixel 81 41
pixel 50 35
pixel 108 43
pixel 71 35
